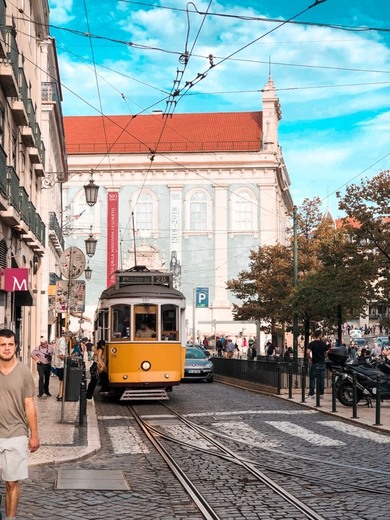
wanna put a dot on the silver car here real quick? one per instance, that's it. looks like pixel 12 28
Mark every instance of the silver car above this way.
pixel 198 366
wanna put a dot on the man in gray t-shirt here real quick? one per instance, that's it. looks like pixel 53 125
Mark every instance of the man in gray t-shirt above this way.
pixel 18 419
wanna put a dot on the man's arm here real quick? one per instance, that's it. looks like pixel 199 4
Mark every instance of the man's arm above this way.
pixel 32 422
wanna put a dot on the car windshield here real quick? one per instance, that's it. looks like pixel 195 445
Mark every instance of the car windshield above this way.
pixel 195 353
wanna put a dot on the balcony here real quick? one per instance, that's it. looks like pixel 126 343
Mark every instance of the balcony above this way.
pixel 9 65
pixel 3 32
pixel 55 233
pixel 11 215
pixel 19 105
pixel 3 180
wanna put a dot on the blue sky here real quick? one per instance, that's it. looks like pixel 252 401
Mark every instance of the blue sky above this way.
pixel 333 84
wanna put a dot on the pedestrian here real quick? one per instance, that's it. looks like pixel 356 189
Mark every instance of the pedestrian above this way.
pixel 230 347
pixel 317 350
pixel 89 346
pixel 43 356
pixel 98 368
pixel 219 347
pixel 60 350
pixel 18 420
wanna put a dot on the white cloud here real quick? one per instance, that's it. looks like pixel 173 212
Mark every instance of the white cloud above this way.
pixel 60 11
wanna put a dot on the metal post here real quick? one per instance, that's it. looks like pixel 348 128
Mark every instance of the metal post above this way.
pixel 334 392
pixel 83 399
pixel 303 380
pixel 318 397
pixel 354 398
pixel 279 371
pixel 290 381
pixel 378 402
pixel 295 280
pixel 193 317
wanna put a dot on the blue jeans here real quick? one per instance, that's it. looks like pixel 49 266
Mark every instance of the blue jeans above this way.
pixel 317 369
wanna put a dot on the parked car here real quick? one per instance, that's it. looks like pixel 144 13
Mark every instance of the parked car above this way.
pixel 383 341
pixel 355 333
pixel 198 366
pixel 360 342
pixel 201 347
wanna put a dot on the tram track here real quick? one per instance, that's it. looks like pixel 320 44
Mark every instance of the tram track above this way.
pixel 209 510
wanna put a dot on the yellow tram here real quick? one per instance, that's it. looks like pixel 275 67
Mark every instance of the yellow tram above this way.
pixel 141 318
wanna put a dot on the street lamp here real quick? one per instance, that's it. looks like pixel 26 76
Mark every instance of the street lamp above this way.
pixel 88 273
pixel 91 192
pixel 90 244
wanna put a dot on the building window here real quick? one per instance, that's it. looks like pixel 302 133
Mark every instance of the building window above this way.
pixel 243 211
pixel 144 213
pixel 145 208
pixel 198 211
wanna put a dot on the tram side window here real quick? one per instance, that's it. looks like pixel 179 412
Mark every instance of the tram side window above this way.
pixel 145 320
pixel 101 326
pixel 170 322
pixel 120 320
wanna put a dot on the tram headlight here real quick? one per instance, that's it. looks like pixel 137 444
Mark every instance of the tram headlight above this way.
pixel 166 376
pixel 146 365
pixel 113 350
pixel 125 377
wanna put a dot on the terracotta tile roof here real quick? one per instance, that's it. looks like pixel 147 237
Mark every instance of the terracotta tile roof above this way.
pixel 226 131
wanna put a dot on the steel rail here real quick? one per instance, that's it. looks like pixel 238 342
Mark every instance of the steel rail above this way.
pixel 204 507
pixel 283 493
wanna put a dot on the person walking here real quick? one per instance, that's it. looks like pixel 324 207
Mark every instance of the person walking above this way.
pixel 60 350
pixel 317 350
pixel 43 356
pixel 18 420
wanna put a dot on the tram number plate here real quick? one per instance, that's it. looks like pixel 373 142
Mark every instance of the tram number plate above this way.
pixel 194 371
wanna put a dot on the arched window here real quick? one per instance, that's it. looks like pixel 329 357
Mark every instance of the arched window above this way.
pixel 198 211
pixel 144 212
pixel 243 211
pixel 144 204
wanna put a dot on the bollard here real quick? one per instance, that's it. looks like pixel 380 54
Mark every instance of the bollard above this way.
pixel 279 370
pixel 334 391
pixel 290 381
pixel 354 398
pixel 83 401
pixel 378 402
pixel 303 380
pixel 318 396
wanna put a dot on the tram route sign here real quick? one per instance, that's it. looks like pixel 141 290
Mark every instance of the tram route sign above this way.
pixel 202 297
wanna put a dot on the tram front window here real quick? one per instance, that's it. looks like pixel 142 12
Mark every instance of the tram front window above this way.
pixel 169 316
pixel 145 322
pixel 120 321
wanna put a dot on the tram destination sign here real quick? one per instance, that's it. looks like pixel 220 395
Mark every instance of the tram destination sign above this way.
pixel 124 279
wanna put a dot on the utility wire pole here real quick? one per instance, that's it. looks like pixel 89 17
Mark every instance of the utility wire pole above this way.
pixel 295 274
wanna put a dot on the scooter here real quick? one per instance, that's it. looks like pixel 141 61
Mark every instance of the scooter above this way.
pixel 366 378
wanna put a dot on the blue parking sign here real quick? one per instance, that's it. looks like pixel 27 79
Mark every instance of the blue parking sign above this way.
pixel 202 297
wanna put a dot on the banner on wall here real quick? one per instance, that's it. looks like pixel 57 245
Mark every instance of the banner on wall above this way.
pixel 112 236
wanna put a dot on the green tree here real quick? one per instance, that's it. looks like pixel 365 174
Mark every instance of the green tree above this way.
pixel 264 286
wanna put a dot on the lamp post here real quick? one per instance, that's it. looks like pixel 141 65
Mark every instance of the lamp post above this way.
pixel 90 244
pixel 88 273
pixel 91 192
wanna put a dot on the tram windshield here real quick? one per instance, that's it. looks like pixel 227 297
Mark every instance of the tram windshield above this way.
pixel 145 320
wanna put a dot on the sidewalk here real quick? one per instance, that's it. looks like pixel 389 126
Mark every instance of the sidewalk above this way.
pixel 366 416
pixel 64 441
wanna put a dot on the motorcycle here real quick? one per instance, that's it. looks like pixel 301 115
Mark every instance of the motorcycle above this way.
pixel 366 378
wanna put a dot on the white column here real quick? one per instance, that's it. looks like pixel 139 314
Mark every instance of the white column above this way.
pixel 220 247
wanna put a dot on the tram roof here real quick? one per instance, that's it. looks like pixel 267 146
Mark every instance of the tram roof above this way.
pixel 139 291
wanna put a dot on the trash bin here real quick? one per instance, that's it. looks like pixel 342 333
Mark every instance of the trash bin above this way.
pixel 73 376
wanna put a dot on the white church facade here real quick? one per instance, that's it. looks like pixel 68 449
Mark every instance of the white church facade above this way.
pixel 191 193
